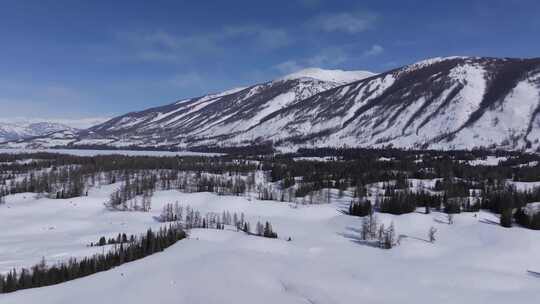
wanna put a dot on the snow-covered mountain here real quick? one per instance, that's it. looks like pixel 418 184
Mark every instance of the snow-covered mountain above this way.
pixel 210 118
pixel 17 130
pixel 440 103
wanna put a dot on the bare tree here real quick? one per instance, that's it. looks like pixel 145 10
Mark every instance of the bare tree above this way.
pixel 431 234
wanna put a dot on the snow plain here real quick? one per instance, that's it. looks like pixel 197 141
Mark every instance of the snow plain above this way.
pixel 472 261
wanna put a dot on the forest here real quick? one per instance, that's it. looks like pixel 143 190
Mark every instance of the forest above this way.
pixel 463 181
pixel 384 181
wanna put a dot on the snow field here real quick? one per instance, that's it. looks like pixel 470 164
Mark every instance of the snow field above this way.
pixel 472 261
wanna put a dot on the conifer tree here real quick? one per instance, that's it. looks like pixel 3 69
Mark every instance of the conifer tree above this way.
pixel 506 218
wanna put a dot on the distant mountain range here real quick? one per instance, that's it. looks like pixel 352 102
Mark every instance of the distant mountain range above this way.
pixel 13 131
pixel 439 103
pixel 18 128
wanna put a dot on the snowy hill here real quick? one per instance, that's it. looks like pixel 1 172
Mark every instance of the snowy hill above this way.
pixel 442 103
pixel 221 115
pixel 337 76
pixel 215 116
pixel 25 129
pixel 439 103
pixel 324 263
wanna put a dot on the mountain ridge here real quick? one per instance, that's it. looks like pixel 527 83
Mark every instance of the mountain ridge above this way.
pixel 441 103
pixel 10 131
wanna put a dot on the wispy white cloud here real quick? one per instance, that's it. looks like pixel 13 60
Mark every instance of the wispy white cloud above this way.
pixel 289 66
pixel 41 99
pixel 264 37
pixel 374 50
pixel 347 22
pixel 326 58
pixel 329 57
pixel 162 46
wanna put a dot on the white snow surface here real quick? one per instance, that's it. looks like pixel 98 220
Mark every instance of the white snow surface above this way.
pixel 472 261
pixel 15 130
pixel 338 76
pixel 488 161
pixel 429 61
pixel 532 208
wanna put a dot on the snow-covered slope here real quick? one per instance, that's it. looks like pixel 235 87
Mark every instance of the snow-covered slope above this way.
pixel 17 130
pixel 472 261
pixel 338 76
pixel 221 115
pixel 443 103
pixel 213 117
pixel 439 103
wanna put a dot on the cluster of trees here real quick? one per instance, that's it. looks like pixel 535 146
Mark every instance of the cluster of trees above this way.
pixel 3 194
pixel 531 220
pixel 105 163
pixel 375 233
pixel 120 239
pixel 510 204
pixel 237 151
pixel 405 201
pixel 140 185
pixel 221 184
pixel 43 275
pixel 59 182
pixel 507 197
pixel 265 230
pixel 360 208
pixel 398 202
pixel 351 167
pixel 260 229
pixel 192 218
pixel 66 176
pixel 171 213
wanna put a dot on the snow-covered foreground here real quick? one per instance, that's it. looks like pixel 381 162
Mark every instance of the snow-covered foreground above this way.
pixel 472 260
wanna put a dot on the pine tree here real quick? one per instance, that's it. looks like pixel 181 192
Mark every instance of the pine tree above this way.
pixel 365 228
pixel 390 237
pixel 373 226
pixel 102 241
pixel 381 236
pixel 506 218
pixel 260 229
pixel 268 232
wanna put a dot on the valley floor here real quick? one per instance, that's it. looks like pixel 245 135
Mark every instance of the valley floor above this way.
pixel 472 261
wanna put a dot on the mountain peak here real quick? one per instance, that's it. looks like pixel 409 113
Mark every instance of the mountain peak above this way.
pixel 338 76
pixel 430 61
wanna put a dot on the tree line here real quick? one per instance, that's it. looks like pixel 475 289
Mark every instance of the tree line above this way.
pixel 41 274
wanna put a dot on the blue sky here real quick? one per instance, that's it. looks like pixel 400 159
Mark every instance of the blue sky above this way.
pixel 69 59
